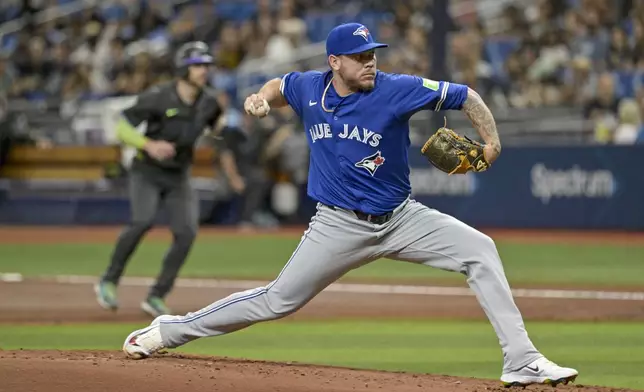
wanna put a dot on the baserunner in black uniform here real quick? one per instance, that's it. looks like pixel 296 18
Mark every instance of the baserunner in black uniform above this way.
pixel 177 113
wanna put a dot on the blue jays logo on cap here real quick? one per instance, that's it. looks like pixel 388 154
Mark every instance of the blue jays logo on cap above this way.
pixel 363 32
pixel 350 38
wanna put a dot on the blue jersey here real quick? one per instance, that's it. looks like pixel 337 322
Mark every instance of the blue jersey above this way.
pixel 359 143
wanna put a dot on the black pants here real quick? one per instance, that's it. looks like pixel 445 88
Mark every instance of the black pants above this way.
pixel 148 192
pixel 258 186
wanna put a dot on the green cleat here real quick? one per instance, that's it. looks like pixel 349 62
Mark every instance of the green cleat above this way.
pixel 106 295
pixel 155 306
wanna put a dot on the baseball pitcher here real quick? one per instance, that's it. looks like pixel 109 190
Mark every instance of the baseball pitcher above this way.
pixel 176 113
pixel 357 119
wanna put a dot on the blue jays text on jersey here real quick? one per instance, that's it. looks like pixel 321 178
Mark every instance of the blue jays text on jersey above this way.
pixel 323 131
pixel 359 143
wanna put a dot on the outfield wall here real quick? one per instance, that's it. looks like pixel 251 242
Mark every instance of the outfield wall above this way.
pixel 543 187
pixel 536 187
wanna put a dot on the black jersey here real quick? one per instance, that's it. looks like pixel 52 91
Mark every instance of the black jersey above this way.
pixel 170 119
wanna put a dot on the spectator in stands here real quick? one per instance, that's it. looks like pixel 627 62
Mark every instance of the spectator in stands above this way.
pixel 636 40
pixel 33 69
pixel 545 16
pixel 577 86
pixel 285 32
pixel 605 98
pixel 591 40
pixel 286 150
pixel 620 54
pixel 59 54
pixel 14 130
pixel 515 22
pixel 630 122
pixel 553 56
pixel 230 50
pixel 523 92
pixel 240 161
pixel 286 156
pixel 7 72
pixel 85 53
pixel 564 52
pixel 602 108
pixel 77 83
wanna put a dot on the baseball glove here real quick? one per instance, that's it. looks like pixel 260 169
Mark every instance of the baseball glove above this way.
pixel 453 153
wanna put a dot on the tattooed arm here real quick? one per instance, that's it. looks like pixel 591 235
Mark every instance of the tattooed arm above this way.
pixel 483 121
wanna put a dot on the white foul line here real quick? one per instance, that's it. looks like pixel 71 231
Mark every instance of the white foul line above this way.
pixel 358 288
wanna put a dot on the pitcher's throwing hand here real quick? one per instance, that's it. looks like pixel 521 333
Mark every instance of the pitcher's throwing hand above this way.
pixel 257 105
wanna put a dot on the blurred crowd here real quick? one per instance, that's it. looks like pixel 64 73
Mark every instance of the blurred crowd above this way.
pixel 577 53
pixel 121 47
pixel 587 54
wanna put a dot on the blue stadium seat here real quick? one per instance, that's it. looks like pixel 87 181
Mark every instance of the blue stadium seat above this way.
pixel 239 10
pixel 9 13
pixel 8 43
pixel 35 95
pixel 319 24
pixel 625 84
pixel 114 12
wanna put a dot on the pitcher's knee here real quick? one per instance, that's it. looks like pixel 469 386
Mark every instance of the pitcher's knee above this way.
pixel 280 305
pixel 475 242
pixel 487 244
pixel 484 254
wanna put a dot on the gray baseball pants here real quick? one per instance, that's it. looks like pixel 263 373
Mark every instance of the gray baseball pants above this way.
pixel 337 242
pixel 148 191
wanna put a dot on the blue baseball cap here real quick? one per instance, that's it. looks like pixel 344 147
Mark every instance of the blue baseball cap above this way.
pixel 350 38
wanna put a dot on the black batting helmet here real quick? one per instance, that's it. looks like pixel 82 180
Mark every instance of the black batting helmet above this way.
pixel 191 53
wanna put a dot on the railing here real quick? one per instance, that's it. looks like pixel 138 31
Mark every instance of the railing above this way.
pixel 47 15
pixel 92 123
pixel 518 127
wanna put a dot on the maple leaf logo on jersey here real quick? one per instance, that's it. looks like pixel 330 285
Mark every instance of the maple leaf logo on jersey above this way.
pixel 372 162
pixel 363 32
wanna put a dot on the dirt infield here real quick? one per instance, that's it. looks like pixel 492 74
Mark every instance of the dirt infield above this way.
pixel 36 301
pixel 103 371
pixel 45 302
pixel 92 371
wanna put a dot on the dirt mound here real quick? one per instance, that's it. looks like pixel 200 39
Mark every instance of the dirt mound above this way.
pixel 90 371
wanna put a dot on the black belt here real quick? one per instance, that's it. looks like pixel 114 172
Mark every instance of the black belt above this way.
pixel 376 219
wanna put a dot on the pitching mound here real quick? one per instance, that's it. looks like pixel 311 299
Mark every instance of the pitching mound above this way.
pixel 90 371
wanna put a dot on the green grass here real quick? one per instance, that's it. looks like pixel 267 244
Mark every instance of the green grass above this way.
pixel 263 257
pixel 608 354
